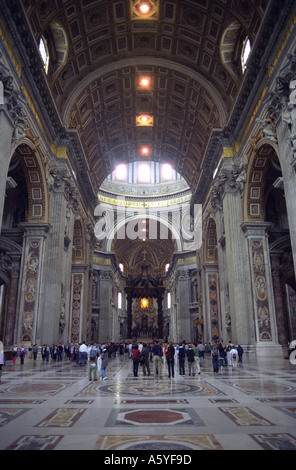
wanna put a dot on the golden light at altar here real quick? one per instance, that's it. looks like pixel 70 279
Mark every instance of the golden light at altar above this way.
pixel 144 303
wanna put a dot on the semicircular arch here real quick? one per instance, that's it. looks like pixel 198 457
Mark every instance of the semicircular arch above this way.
pixel 38 197
pixel 162 220
pixel 253 195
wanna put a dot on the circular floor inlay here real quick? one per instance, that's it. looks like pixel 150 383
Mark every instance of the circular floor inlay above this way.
pixel 263 387
pixel 158 389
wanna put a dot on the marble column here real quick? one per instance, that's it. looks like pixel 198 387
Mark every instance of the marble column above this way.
pixel 105 309
pixel 160 314
pixel 212 302
pixel 278 299
pixel 77 303
pixel 287 157
pixel 129 314
pixel 237 266
pixel 55 274
pixel 281 106
pixel 262 292
pixel 183 293
pixel 9 336
pixel 33 264
pixel 225 332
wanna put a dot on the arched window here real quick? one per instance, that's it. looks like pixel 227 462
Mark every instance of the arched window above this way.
pixel 43 50
pixel 169 300
pixel 245 54
pixel 119 300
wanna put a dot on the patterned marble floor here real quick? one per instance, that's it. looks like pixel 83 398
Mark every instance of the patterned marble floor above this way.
pixel 55 407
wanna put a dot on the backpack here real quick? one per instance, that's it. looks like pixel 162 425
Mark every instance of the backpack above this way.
pixel 215 351
pixel 93 354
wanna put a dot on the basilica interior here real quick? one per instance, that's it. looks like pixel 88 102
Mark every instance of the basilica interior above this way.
pixel 147 192
pixel 147 153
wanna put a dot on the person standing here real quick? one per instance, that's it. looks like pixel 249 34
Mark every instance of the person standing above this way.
pixel 190 358
pixel 35 351
pixel 181 359
pixel 228 349
pixel 196 368
pixel 157 359
pixel 215 358
pixel 60 350
pixel 234 356
pixel 92 363
pixel 14 354
pixel 145 354
pixel 47 352
pixel 104 358
pixel 72 352
pixel 240 352
pixel 130 347
pixel 22 352
pixel 170 358
pixel 136 360
pixel 201 350
pixel 83 353
pixel 222 356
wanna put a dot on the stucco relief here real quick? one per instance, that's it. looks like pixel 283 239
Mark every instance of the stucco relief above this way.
pixel 260 284
pixel 31 277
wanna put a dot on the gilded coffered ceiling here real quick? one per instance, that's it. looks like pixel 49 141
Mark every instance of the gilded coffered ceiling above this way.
pixel 188 49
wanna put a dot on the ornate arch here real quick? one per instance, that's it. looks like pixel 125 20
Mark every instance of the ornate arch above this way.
pixel 38 197
pixel 253 196
pixel 153 217
pixel 79 255
pixel 210 242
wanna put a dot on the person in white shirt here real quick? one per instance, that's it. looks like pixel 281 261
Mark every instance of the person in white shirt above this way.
pixel 83 353
pixel 234 356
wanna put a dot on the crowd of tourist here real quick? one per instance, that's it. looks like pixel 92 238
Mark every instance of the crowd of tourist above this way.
pixel 225 355
pixel 160 357
pixel 182 357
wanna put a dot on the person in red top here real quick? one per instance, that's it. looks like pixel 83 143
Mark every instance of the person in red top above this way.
pixel 136 360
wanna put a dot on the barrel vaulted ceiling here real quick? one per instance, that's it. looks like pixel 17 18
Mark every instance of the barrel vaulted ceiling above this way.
pixel 189 49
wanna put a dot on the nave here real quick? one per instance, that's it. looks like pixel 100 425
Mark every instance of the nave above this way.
pixel 54 406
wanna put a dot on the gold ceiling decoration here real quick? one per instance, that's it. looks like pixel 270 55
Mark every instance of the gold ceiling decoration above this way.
pixel 143 10
pixel 144 120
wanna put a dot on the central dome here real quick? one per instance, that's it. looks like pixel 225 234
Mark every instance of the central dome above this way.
pixel 145 183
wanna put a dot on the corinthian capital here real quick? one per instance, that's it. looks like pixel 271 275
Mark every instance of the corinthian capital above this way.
pixel 14 104
pixel 229 180
pixel 278 101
